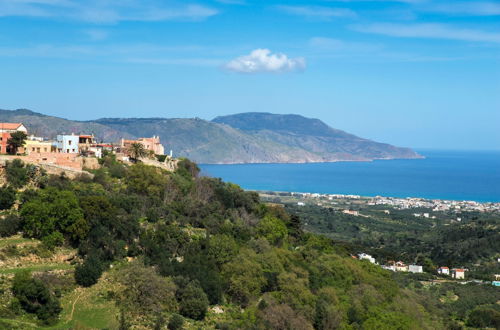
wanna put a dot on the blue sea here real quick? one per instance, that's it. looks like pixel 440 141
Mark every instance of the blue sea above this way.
pixel 453 175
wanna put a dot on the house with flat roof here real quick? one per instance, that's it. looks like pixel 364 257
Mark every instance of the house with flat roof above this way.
pixel 67 144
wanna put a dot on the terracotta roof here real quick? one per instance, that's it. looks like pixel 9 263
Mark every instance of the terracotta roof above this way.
pixel 85 136
pixel 459 270
pixel 443 268
pixel 10 125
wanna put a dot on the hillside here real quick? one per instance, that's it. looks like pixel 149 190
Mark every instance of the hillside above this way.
pixel 243 138
pixel 137 247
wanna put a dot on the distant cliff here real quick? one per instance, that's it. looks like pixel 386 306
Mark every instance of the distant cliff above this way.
pixel 241 138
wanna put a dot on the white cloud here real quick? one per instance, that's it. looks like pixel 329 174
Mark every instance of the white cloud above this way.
pixel 317 12
pixel 108 11
pixel 263 60
pixel 432 31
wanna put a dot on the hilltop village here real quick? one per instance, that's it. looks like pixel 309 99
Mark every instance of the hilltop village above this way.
pixel 73 152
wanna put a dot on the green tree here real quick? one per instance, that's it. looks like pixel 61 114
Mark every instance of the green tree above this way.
pixel 35 297
pixel 244 277
pixel 193 302
pixel 144 291
pixel 222 248
pixel 16 141
pixel 17 173
pixel 176 322
pixel 137 151
pixel 273 229
pixel 54 210
pixel 9 225
pixel 88 273
pixel 7 197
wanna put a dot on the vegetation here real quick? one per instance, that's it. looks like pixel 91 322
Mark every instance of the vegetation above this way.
pixel 401 235
pixel 137 151
pixel 16 141
pixel 142 247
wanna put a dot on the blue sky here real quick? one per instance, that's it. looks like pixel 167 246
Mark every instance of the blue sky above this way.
pixel 416 73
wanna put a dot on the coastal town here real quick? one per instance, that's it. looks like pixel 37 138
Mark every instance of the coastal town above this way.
pixel 436 205
pixel 74 152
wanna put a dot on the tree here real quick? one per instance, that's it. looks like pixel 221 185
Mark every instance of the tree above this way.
pixel 88 273
pixel 273 229
pixel 144 291
pixel 176 322
pixel 35 297
pixel 10 225
pixel 16 141
pixel 7 197
pixel 17 173
pixel 244 276
pixel 193 301
pixel 137 151
pixel 54 210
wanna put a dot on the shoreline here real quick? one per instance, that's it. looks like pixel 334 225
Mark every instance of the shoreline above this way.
pixel 496 205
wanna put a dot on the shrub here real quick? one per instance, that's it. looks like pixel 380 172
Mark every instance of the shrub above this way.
pixel 17 173
pixel 35 297
pixel 10 225
pixel 176 322
pixel 52 240
pixel 88 273
pixel 7 198
pixel 193 301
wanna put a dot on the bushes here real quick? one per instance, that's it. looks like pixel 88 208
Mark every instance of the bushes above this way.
pixel 54 210
pixel 7 197
pixel 10 225
pixel 484 318
pixel 193 301
pixel 88 273
pixel 176 322
pixel 35 297
pixel 18 174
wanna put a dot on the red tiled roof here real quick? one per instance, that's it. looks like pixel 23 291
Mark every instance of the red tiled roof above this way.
pixel 10 125
pixel 443 268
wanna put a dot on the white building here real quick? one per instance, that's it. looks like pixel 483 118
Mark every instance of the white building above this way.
pixel 415 269
pixel 364 256
pixel 443 271
pixel 67 144
pixel 458 273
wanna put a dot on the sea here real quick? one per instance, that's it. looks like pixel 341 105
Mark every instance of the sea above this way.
pixel 448 175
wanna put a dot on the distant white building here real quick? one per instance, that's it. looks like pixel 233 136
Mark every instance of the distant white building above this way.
pixel 67 144
pixel 389 267
pixel 443 271
pixel 458 273
pixel 301 203
pixel 415 269
pixel 364 256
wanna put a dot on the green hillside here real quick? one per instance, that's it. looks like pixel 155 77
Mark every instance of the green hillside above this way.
pixel 138 247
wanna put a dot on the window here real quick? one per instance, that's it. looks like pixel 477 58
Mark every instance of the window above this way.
pixel 69 142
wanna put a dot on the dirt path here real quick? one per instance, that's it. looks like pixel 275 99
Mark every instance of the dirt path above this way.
pixel 73 306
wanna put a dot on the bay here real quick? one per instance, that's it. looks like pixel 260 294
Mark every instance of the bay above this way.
pixel 451 175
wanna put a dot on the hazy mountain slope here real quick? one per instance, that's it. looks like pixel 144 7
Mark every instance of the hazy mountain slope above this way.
pixel 313 135
pixel 243 138
pixel 207 142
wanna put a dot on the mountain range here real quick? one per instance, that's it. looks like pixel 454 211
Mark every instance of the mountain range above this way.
pixel 241 138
